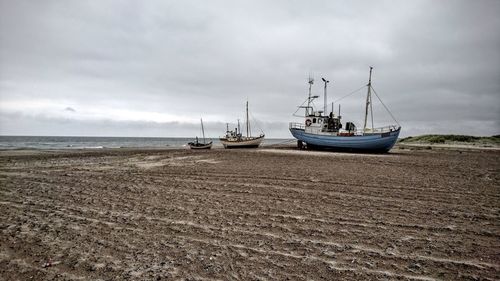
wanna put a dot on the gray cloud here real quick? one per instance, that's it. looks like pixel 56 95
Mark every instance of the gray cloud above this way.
pixel 121 63
pixel 20 124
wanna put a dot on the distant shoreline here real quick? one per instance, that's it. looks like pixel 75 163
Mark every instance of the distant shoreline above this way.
pixel 73 143
pixel 281 149
pixel 56 143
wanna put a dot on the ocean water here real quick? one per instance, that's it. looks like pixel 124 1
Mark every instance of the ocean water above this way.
pixel 59 142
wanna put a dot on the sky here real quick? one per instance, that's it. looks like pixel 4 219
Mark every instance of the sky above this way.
pixel 154 68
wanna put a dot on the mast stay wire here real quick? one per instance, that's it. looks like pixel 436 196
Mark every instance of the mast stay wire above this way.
pixel 255 121
pixel 351 93
pixel 298 108
pixel 339 99
pixel 390 113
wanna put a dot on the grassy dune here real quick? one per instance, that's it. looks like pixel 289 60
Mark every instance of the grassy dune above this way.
pixel 452 139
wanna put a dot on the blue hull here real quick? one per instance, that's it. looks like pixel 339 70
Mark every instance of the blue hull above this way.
pixel 380 142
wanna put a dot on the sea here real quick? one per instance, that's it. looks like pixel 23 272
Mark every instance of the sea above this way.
pixel 70 142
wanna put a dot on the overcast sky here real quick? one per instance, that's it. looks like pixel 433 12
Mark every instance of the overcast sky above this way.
pixel 154 68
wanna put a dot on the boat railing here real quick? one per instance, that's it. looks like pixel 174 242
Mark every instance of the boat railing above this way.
pixel 358 132
pixel 294 125
pixel 379 130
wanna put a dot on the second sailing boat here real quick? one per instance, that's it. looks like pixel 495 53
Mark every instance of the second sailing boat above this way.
pixel 235 139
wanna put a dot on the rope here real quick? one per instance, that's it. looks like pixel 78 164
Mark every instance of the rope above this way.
pixel 283 142
pixel 393 118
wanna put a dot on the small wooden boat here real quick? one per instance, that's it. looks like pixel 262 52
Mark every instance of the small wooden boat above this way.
pixel 242 142
pixel 200 145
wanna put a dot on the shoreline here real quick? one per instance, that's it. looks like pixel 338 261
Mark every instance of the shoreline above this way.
pixel 284 148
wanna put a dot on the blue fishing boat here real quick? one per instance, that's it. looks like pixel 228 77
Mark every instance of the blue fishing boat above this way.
pixel 321 131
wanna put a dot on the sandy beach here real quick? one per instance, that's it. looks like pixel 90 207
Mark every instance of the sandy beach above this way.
pixel 265 214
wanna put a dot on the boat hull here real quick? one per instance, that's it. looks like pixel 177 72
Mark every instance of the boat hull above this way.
pixel 379 142
pixel 250 143
pixel 200 146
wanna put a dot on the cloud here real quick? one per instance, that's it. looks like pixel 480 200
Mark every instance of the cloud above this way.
pixel 70 109
pixel 42 125
pixel 160 61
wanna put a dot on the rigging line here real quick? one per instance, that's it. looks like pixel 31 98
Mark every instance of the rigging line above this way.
pixel 255 121
pixel 351 93
pixel 386 107
pixel 312 107
pixel 299 107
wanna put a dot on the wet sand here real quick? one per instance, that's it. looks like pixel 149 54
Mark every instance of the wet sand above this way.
pixel 266 214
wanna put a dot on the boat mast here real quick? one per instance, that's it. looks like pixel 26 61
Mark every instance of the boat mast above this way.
pixel 202 130
pixel 311 81
pixel 369 101
pixel 239 130
pixel 325 104
pixel 248 125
